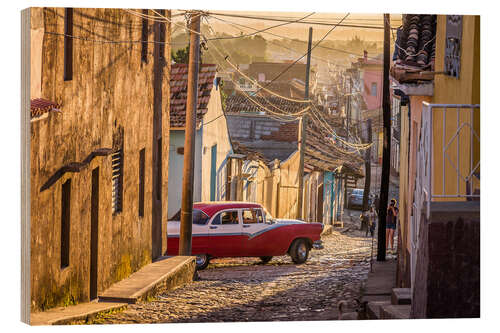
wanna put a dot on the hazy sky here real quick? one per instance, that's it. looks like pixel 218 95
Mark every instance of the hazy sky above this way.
pixel 300 30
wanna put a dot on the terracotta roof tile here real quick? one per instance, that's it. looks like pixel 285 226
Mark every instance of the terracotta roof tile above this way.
pixel 417 48
pixel 40 106
pixel 239 103
pixel 287 132
pixel 178 92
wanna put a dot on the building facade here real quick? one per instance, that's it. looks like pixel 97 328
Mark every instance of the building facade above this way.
pixel 440 225
pixel 212 143
pixel 99 125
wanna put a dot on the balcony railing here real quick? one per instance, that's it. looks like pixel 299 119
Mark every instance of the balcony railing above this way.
pixel 447 164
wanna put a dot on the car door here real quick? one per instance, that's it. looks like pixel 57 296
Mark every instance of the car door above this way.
pixel 225 234
pixel 254 227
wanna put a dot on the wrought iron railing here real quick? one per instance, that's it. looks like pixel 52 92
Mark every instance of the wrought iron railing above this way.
pixel 464 172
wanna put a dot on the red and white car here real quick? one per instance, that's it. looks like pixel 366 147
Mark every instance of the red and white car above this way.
pixel 240 229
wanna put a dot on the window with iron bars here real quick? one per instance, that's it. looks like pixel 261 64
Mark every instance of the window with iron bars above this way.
pixel 117 181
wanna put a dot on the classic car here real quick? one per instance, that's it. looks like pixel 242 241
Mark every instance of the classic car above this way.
pixel 356 198
pixel 240 229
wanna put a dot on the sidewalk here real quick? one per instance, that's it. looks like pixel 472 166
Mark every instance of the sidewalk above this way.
pixel 384 300
pixel 160 276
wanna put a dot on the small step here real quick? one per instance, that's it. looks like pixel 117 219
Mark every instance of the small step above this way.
pixel 389 311
pixel 68 314
pixel 373 309
pixel 152 279
pixel 401 296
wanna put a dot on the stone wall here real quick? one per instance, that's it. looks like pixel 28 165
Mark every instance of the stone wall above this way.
pixel 447 282
pixel 109 96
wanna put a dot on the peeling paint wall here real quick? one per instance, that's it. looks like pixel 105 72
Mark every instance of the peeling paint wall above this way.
pixel 111 89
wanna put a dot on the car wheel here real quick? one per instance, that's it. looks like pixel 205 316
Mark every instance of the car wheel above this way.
pixel 202 261
pixel 299 251
pixel 266 259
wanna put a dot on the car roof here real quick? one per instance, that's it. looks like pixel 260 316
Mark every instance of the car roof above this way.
pixel 212 207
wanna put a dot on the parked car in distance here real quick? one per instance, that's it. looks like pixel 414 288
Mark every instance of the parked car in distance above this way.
pixel 356 198
pixel 241 229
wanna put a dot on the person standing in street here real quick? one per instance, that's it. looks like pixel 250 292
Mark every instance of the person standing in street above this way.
pixel 391 219
pixel 372 221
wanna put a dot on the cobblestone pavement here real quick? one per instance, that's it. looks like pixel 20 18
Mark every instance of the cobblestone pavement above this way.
pixel 242 289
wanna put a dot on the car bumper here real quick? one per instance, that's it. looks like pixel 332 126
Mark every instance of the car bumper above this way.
pixel 318 245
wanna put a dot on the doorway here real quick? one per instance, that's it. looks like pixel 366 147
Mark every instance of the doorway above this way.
pixel 94 233
pixel 213 172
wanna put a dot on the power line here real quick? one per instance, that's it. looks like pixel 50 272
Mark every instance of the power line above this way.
pixel 292 39
pixel 109 41
pixel 284 37
pixel 314 46
pixel 262 30
pixel 301 22
pixel 253 81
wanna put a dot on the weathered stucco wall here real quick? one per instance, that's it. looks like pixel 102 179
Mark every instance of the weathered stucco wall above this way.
pixel 111 92
pixel 288 185
pixel 215 132
pixel 176 167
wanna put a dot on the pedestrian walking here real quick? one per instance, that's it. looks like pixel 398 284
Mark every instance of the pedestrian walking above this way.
pixel 391 220
pixel 372 221
pixel 376 202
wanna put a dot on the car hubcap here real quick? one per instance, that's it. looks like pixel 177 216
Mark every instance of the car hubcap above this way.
pixel 200 259
pixel 302 250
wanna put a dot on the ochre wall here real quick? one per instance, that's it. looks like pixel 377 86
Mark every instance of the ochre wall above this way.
pixel 288 187
pixel 111 90
pixel 450 90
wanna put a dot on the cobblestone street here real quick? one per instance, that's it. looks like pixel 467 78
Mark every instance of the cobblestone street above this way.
pixel 242 289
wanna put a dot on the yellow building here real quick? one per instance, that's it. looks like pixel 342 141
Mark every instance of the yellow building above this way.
pixel 440 160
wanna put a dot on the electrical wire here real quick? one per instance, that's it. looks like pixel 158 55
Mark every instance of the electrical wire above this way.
pixel 292 39
pixel 273 42
pixel 255 83
pixel 302 22
pixel 109 41
pixel 312 48
pixel 262 30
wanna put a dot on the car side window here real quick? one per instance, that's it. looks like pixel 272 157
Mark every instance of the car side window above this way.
pixel 199 217
pixel 249 216
pixel 258 215
pixel 216 219
pixel 225 218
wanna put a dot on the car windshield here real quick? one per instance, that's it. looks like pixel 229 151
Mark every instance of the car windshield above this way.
pixel 357 192
pixel 199 217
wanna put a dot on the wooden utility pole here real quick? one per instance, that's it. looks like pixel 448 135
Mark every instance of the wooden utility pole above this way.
pixel 386 153
pixel 302 132
pixel 189 142
pixel 367 136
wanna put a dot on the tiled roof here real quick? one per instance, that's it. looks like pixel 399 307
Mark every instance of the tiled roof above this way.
pixel 239 103
pixel 273 69
pixel 178 92
pixel 286 132
pixel 323 154
pixel 271 138
pixel 40 106
pixel 415 48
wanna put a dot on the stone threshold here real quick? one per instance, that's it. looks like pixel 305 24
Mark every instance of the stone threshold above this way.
pixel 65 315
pixel 152 279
